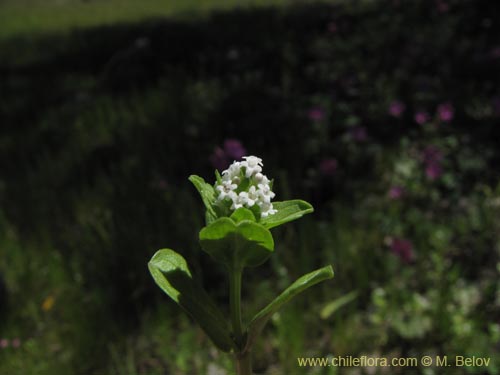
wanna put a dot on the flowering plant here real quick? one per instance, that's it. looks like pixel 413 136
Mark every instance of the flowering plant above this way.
pixel 239 215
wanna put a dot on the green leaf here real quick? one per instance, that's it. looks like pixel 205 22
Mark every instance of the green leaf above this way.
pixel 259 321
pixel 241 214
pixel 172 275
pixel 287 211
pixel 207 194
pixel 237 245
pixel 336 304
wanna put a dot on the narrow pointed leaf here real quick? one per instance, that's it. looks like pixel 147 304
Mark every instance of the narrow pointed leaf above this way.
pixel 286 211
pixel 207 194
pixel 172 275
pixel 259 321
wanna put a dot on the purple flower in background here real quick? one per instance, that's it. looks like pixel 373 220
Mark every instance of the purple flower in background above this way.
pixel 222 157
pixel 433 170
pixel 403 249
pixel 328 167
pixel 421 117
pixel 316 114
pixel 446 112
pixel 219 159
pixel 396 192
pixel 358 133
pixel 234 149
pixel 396 108
pixel 432 154
pixel 4 343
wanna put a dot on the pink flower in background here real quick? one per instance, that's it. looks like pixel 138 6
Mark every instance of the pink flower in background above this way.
pixel 403 249
pixel 442 6
pixel 16 343
pixel 421 117
pixel 396 192
pixel 161 184
pixel 495 52
pixel 358 133
pixel 219 159
pixel 433 170
pixel 432 157
pixel 495 102
pixel 222 157
pixel 328 167
pixel 332 27
pixel 316 114
pixel 4 343
pixel 446 112
pixel 396 108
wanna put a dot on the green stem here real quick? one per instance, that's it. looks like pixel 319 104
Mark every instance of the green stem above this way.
pixel 244 363
pixel 243 356
pixel 235 304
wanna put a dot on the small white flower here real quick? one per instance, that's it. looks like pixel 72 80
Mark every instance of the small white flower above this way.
pixel 264 180
pixel 267 209
pixel 232 172
pixel 258 177
pixel 253 161
pixel 265 193
pixel 236 204
pixel 244 200
pixel 225 189
pixel 228 185
pixel 252 164
pixel 232 195
pixel 258 191
pixel 249 198
pixel 253 193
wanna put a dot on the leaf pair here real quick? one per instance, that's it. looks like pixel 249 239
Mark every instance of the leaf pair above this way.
pixel 173 276
pixel 241 241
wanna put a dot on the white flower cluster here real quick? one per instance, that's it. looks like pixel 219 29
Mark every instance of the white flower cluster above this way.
pixel 258 192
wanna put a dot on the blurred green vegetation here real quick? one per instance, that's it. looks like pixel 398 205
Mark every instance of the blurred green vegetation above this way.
pixel 105 112
pixel 36 16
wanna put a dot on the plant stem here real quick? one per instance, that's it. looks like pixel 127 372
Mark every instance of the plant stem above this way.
pixel 235 304
pixel 244 363
pixel 243 357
